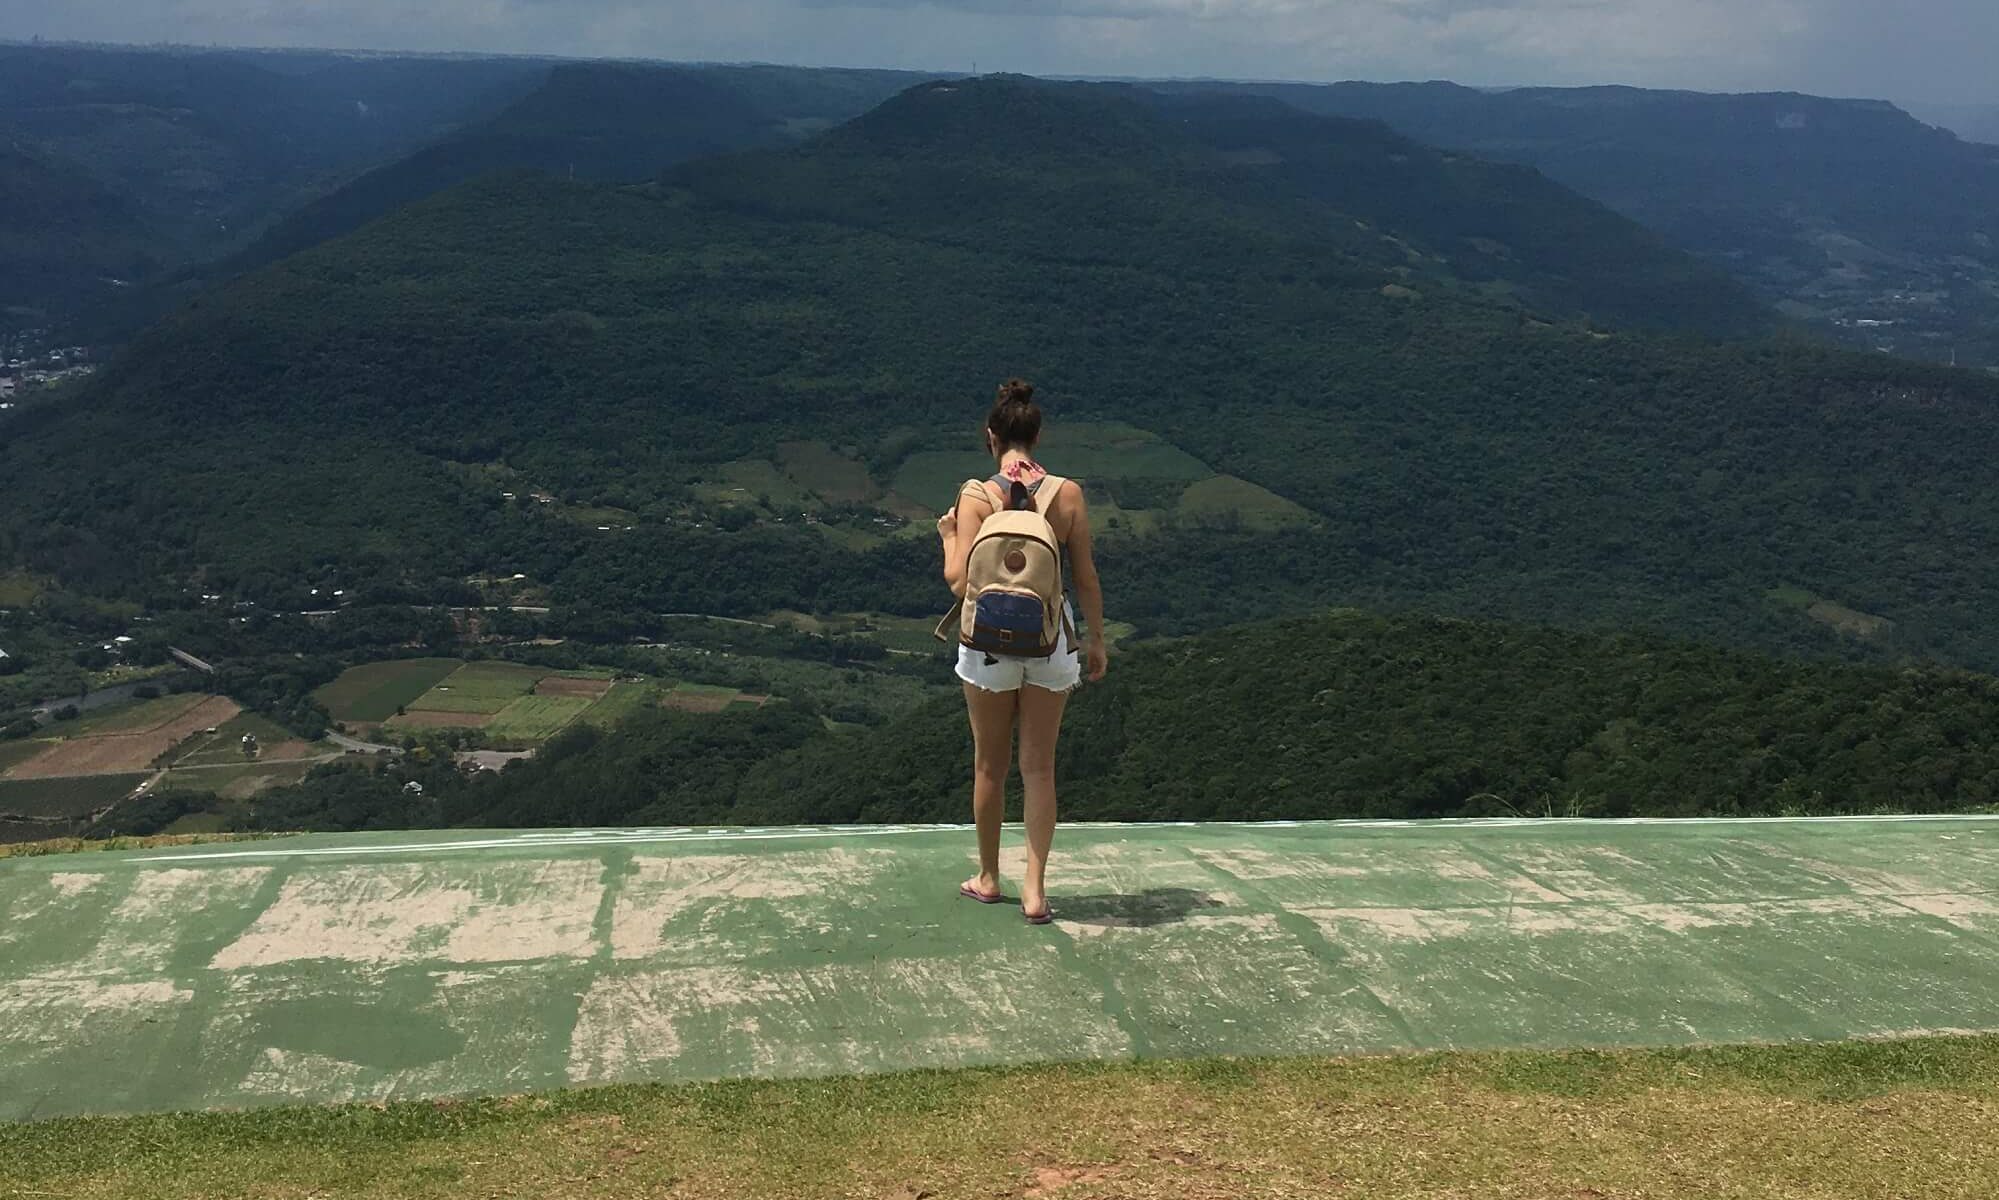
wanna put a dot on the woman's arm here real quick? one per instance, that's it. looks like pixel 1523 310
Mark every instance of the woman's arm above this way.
pixel 1089 588
pixel 958 529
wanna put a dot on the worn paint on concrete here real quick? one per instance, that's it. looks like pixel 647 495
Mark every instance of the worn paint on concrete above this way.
pixel 408 965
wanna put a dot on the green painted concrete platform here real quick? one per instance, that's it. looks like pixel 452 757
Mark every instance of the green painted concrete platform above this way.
pixel 411 965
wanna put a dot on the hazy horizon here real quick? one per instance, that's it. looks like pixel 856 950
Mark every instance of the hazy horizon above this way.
pixel 1837 48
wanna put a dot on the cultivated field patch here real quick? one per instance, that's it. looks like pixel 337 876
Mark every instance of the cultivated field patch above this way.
pixel 537 718
pixel 622 701
pixel 275 743
pixel 479 687
pixel 236 782
pixel 128 718
pixel 1255 506
pixel 709 698
pixel 20 751
pixel 566 685
pixel 817 467
pixel 430 719
pixel 110 753
pixel 1090 452
pixel 72 796
pixel 374 691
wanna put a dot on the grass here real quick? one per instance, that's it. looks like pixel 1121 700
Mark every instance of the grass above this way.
pixel 479 687
pixel 1852 1121
pixel 1256 507
pixel 748 481
pixel 18 589
pixel 127 718
pixel 620 702
pixel 931 478
pixel 150 842
pixel 238 780
pixel 226 746
pixel 374 691
pixel 20 751
pixel 67 796
pixel 537 718
pixel 818 467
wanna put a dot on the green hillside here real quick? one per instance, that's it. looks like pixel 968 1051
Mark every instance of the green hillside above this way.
pixel 1852 214
pixel 1326 716
pixel 190 152
pixel 386 409
pixel 597 121
pixel 65 238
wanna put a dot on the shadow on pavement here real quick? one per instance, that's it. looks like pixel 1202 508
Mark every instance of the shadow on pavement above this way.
pixel 1154 906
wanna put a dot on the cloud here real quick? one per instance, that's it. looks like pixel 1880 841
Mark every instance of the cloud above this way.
pixel 1918 49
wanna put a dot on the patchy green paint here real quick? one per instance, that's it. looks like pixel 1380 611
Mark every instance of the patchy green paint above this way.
pixel 406 965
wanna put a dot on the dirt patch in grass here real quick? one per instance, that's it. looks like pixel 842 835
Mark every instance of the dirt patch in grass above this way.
pixel 112 753
pixel 560 685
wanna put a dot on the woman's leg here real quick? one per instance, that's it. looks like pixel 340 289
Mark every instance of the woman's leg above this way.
pixel 1040 726
pixel 992 752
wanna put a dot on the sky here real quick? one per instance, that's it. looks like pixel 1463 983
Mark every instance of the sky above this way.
pixel 1937 51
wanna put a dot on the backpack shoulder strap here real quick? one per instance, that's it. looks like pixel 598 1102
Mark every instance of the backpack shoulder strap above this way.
pixel 1046 491
pixel 977 487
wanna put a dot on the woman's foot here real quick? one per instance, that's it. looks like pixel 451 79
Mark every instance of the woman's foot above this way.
pixel 983 888
pixel 1034 906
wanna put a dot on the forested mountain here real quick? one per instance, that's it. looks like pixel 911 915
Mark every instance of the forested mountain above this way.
pixel 1380 348
pixel 206 146
pixel 1329 715
pixel 1851 213
pixel 600 121
pixel 64 236
pixel 1972 122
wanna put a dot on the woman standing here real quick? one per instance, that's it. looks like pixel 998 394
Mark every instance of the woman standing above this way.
pixel 1002 692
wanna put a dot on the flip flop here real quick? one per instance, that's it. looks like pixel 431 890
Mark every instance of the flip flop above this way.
pixel 1045 917
pixel 971 893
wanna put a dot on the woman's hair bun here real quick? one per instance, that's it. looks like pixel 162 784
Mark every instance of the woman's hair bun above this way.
pixel 1015 419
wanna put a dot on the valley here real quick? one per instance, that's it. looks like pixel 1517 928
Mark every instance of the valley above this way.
pixel 492 491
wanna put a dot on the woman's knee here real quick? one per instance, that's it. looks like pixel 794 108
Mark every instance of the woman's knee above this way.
pixel 991 767
pixel 1037 765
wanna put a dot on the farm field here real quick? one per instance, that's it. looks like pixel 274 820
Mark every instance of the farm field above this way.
pixel 128 718
pixel 373 692
pixel 19 751
pixel 479 687
pixel 536 718
pixel 225 747
pixel 709 698
pixel 1228 496
pixel 18 589
pixel 237 781
pixel 72 796
pixel 817 467
pixel 620 702
pixel 127 745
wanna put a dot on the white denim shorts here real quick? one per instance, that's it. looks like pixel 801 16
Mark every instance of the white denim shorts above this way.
pixel 1059 672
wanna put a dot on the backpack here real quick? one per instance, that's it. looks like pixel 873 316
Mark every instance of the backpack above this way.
pixel 1013 601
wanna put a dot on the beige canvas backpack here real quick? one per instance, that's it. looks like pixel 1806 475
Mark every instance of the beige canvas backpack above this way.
pixel 1013 603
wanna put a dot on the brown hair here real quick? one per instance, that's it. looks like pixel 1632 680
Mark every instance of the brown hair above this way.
pixel 1015 419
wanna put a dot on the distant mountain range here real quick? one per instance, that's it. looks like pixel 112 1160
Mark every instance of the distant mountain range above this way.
pixel 1851 216
pixel 198 150
pixel 1848 214
pixel 1299 359
pixel 1972 122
